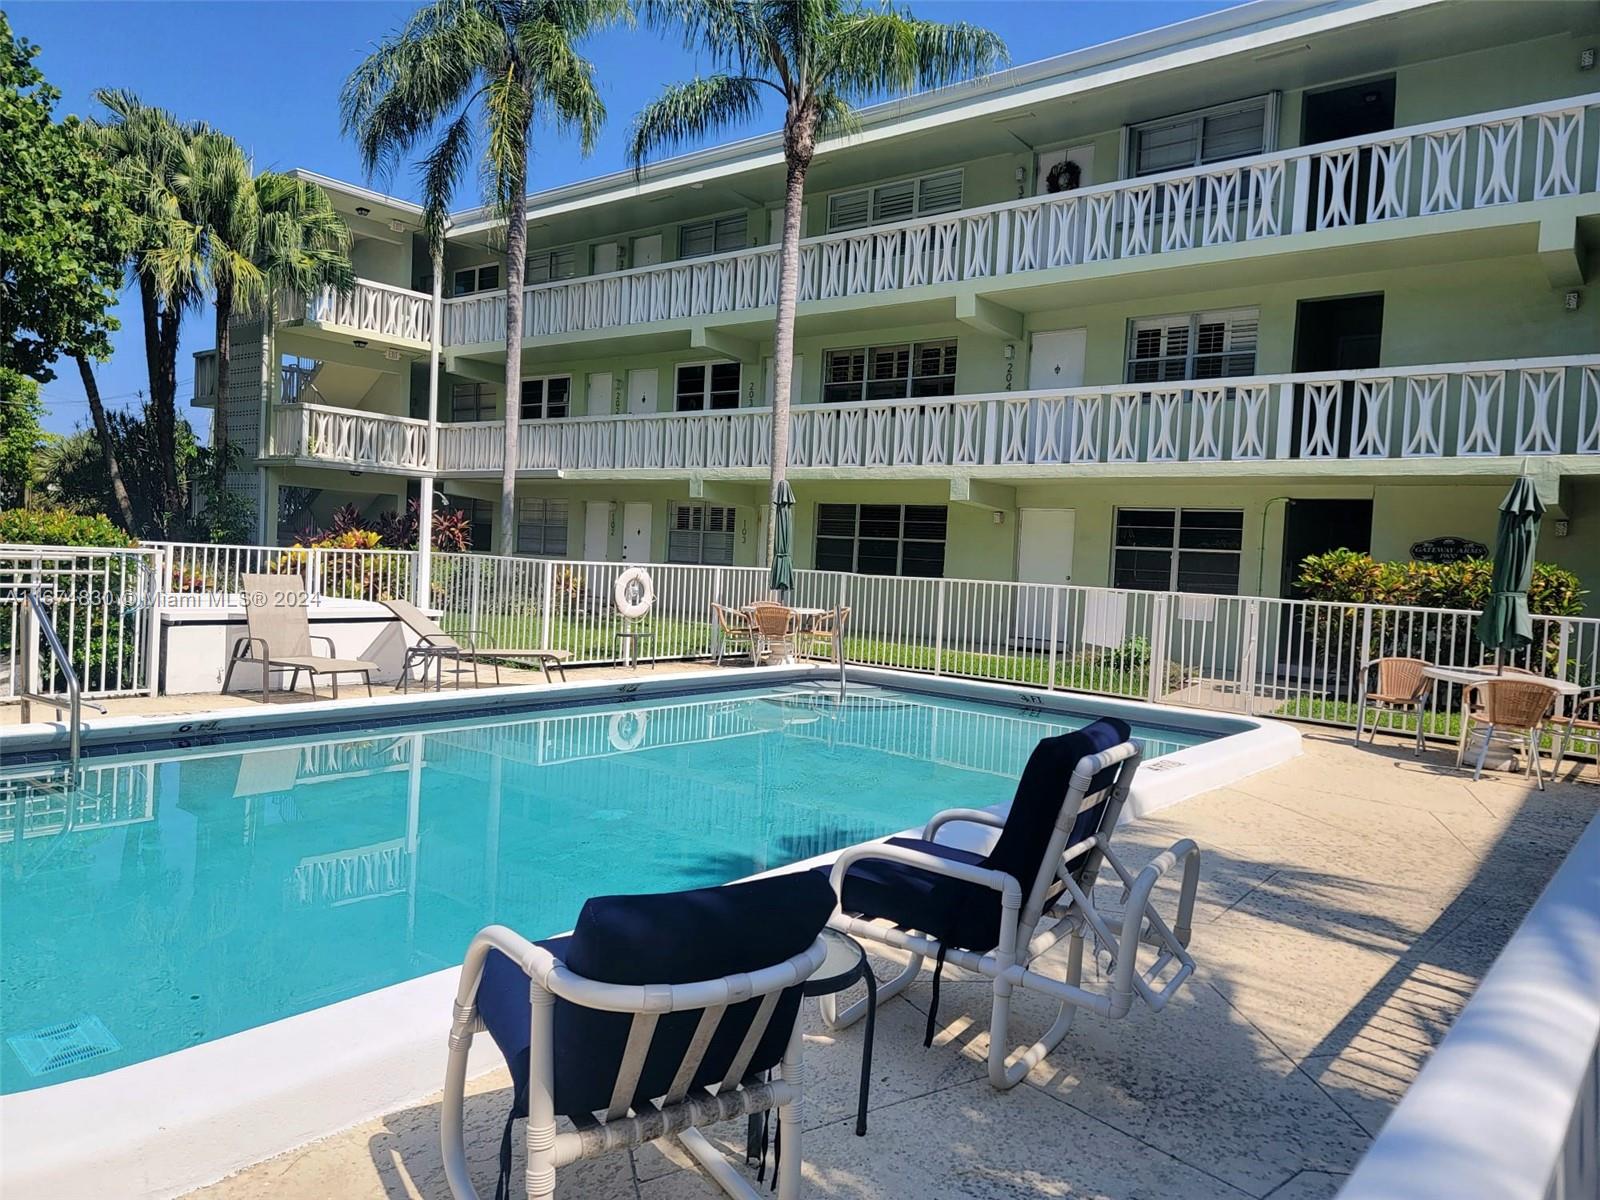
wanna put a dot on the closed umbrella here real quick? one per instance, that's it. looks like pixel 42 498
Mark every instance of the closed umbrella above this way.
pixel 1505 623
pixel 783 537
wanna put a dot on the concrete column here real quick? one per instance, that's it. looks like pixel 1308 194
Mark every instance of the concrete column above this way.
pixel 425 498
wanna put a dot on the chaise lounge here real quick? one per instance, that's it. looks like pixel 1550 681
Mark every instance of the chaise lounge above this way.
pixel 434 646
pixel 279 637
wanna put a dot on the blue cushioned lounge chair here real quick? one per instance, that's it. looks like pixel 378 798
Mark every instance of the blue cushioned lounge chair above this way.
pixel 995 913
pixel 656 1015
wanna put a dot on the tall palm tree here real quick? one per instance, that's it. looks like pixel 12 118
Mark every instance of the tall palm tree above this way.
pixel 145 147
pixel 820 57
pixel 475 71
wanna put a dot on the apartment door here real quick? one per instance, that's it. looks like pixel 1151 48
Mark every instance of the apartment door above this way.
pixel 646 250
pixel 1056 359
pixel 1044 555
pixel 1341 333
pixel 636 520
pixel 1317 526
pixel 642 385
pixel 597 530
pixel 597 398
pixel 1332 116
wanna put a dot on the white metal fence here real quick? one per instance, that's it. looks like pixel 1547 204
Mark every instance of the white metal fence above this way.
pixel 1251 655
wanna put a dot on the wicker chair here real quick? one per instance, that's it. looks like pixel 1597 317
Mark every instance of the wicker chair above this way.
pixel 774 626
pixel 1401 686
pixel 1574 722
pixel 1509 705
pixel 735 633
pixel 819 638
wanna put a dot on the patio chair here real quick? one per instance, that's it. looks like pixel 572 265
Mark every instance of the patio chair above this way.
pixel 278 637
pixel 775 627
pixel 996 913
pixel 819 637
pixel 1510 705
pixel 672 1008
pixel 735 633
pixel 1573 722
pixel 1400 687
pixel 434 647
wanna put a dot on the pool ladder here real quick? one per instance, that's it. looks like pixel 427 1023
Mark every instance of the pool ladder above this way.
pixel 36 621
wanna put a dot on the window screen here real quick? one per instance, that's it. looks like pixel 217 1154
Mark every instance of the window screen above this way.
pixel 1205 136
pixel 1208 345
pixel 548 398
pixel 919 369
pixel 701 533
pixel 542 527
pixel 1183 550
pixel 897 201
pixel 716 236
pixel 882 539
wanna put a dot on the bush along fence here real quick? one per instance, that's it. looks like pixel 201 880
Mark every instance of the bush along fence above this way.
pixel 1250 655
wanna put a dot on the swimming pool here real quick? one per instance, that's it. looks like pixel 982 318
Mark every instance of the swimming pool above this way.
pixel 183 895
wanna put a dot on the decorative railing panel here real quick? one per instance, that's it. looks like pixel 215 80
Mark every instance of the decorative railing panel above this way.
pixel 380 309
pixel 347 436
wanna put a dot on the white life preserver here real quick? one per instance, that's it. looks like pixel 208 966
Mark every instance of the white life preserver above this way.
pixel 635 593
pixel 626 731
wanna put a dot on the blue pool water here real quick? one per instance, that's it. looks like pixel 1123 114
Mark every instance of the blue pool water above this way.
pixel 189 894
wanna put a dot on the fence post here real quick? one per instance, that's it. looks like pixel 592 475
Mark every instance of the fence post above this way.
pixel 474 606
pixel 161 566
pixel 716 599
pixel 1160 623
pixel 546 599
pixel 938 630
pixel 1055 635
pixel 1249 653
pixel 1285 430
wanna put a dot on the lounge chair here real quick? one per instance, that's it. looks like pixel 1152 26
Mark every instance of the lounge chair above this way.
pixel 671 1007
pixel 1400 687
pixel 995 913
pixel 1513 704
pixel 735 633
pixel 434 647
pixel 279 637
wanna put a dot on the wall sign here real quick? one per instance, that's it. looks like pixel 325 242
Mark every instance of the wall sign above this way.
pixel 1447 550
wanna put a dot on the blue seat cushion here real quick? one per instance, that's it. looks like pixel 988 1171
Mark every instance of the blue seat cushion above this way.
pixel 967 915
pixel 677 937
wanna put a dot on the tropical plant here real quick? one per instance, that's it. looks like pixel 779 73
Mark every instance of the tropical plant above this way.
pixel 70 471
pixel 58 527
pixel 820 58
pixel 1349 577
pixel 21 436
pixel 475 71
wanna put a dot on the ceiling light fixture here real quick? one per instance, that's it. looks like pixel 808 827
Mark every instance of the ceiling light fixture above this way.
pixel 363 211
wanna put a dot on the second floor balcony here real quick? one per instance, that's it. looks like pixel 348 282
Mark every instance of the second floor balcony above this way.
pixel 394 316
pixel 1344 420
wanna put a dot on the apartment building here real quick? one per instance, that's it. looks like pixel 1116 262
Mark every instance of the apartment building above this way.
pixel 1170 312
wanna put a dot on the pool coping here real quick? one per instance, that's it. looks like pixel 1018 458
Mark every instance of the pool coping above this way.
pixel 170 1124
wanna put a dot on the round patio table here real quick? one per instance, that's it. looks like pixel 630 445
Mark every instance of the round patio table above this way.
pixel 1467 677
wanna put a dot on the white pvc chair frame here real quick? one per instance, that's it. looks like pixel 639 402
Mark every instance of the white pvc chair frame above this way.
pixel 680 1113
pixel 1028 928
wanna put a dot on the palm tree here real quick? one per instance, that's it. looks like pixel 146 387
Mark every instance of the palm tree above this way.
pixel 516 60
pixel 145 147
pixel 820 57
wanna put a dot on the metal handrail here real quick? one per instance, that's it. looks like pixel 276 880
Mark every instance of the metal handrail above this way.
pixel 74 702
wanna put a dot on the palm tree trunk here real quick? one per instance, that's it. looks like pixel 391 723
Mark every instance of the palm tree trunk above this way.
pixel 516 269
pixel 108 452
pixel 165 417
pixel 798 145
pixel 219 411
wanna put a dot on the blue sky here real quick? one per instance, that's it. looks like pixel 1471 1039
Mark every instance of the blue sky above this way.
pixel 269 74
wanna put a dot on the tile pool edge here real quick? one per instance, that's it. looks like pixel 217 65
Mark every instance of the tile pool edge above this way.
pixel 169 1124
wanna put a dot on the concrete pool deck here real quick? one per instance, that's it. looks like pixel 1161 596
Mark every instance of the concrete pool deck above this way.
pixel 1350 901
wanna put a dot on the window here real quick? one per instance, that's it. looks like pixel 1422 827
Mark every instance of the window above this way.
pixel 1208 345
pixel 1178 549
pixel 546 399
pixel 1207 135
pixel 897 201
pixel 547 265
pixel 471 402
pixel 882 539
pixel 542 527
pixel 476 279
pixel 716 236
pixel 701 533
pixel 480 513
pixel 707 385
pixel 890 372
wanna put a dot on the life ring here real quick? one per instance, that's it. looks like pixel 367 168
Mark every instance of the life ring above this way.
pixel 635 593
pixel 626 731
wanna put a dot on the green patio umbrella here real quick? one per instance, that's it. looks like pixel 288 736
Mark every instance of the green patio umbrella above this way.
pixel 783 537
pixel 1505 623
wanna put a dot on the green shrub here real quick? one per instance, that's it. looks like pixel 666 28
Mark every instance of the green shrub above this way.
pixel 1345 577
pixel 58 527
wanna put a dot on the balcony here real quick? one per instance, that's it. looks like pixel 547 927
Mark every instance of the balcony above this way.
pixel 1506 157
pixel 370 441
pixel 370 310
pixel 1521 407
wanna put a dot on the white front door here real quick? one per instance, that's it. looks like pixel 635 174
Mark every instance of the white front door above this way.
pixel 1044 555
pixel 597 531
pixel 636 517
pixel 646 251
pixel 597 399
pixel 642 384
pixel 1056 359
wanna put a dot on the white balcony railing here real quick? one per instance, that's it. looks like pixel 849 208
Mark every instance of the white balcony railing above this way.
pixel 348 437
pixel 1514 407
pixel 379 309
pixel 1536 152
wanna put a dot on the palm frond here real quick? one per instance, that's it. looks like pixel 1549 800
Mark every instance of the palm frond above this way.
pixel 441 171
pixel 687 112
pixel 728 33
pixel 871 52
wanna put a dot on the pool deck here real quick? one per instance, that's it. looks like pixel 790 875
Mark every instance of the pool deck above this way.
pixel 1350 901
